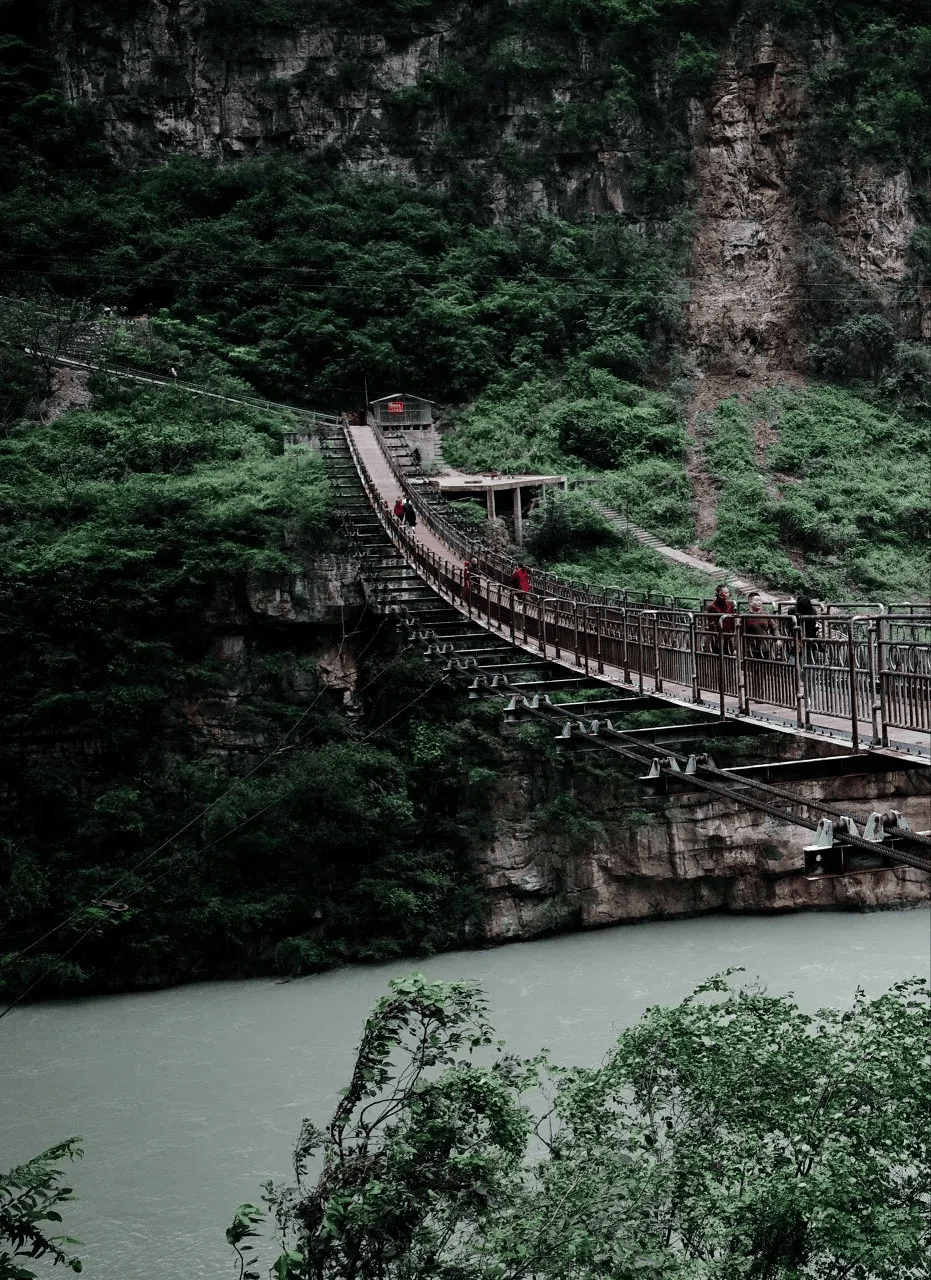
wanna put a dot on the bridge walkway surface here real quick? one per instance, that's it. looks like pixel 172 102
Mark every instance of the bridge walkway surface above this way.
pixel 659 647
pixel 540 685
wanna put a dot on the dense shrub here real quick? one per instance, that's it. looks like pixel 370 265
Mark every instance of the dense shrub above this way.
pixel 636 425
pixel 654 493
pixel 563 522
pixel 846 485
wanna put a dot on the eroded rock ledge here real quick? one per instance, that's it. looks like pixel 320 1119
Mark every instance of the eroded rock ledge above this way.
pixel 683 856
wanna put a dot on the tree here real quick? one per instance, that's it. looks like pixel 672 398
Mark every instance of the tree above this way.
pixel 29 1196
pixel 38 327
pixel 731 1136
pixel 422 1149
pixel 562 522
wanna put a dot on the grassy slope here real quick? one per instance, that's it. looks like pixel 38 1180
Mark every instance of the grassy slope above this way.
pixel 845 488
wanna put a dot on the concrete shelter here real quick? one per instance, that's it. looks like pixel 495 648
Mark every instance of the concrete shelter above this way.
pixel 491 484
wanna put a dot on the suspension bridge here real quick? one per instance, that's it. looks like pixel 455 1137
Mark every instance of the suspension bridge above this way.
pixel 573 659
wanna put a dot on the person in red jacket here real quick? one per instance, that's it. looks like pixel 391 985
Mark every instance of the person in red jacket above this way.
pixel 721 610
pixel 399 509
pixel 520 578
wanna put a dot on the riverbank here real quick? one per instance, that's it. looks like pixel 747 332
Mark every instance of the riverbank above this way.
pixel 189 1098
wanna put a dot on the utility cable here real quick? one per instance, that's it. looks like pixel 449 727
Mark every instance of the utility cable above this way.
pixel 181 857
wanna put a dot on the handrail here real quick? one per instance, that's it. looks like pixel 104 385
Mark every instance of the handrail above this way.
pixel 868 676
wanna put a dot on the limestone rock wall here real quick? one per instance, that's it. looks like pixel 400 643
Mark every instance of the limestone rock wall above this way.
pixel 683 856
pixel 745 268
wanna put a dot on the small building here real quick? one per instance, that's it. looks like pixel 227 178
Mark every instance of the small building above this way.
pixel 400 410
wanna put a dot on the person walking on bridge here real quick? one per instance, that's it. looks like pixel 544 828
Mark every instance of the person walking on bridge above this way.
pixel 520 578
pixel 410 515
pixel 721 611
pixel 399 508
pixel 475 574
pixel 805 613
pixel 758 627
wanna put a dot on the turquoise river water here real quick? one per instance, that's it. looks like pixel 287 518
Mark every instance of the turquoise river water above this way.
pixel 188 1099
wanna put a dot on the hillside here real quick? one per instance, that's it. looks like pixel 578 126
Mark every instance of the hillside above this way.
pixel 677 250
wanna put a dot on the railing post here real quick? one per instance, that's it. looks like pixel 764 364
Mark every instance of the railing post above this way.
pixel 801 692
pixel 626 647
pixel 640 651
pixel 742 704
pixel 693 646
pixel 657 671
pixel 541 629
pixel 524 612
pixel 883 708
pixel 512 615
pixel 875 712
pixel 852 671
pixel 586 617
pixel 599 618
pixel 575 623
pixel 721 677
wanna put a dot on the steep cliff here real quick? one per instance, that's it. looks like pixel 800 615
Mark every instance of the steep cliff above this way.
pixel 588 849
pixel 563 109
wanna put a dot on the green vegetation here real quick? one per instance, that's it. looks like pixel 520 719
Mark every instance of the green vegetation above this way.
pixel 846 484
pixel 305 282
pixel 563 520
pixel 730 1136
pixel 624 563
pixel 588 420
pixel 30 1197
pixel 247 824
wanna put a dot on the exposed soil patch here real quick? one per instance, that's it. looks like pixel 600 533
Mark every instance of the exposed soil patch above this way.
pixel 764 434
pixel 795 557
pixel 69 391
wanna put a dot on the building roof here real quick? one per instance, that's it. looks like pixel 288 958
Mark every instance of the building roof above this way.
pixel 401 395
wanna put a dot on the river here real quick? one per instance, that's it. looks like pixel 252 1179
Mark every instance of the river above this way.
pixel 188 1099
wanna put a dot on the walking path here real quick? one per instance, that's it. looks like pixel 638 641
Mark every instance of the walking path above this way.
pixel 682 557
pixel 907 743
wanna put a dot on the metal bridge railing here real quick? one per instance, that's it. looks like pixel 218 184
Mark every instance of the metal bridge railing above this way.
pixel 877 672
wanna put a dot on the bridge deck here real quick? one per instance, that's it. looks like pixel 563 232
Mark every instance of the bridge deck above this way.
pixel 437 562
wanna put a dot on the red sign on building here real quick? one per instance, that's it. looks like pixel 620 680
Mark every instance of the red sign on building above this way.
pixel 395 406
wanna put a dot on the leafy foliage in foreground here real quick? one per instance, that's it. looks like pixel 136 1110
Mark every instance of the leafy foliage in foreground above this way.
pixel 732 1136
pixel 30 1197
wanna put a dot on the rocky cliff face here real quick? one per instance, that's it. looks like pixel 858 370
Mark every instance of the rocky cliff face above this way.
pixel 749 256
pixel 163 82
pixel 164 78
pixel 638 860
pixel 746 256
